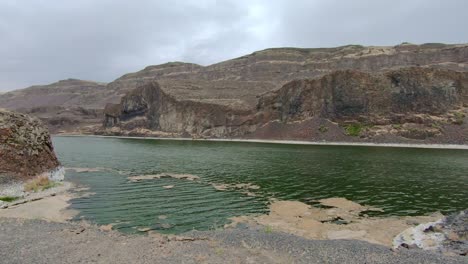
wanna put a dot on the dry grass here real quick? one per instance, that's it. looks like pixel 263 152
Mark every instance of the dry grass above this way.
pixel 39 184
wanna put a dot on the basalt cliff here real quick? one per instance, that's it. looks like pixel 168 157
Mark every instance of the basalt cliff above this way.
pixel 397 105
pixel 404 93
pixel 25 148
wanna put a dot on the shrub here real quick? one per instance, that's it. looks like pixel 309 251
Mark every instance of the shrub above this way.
pixel 323 128
pixel 353 130
pixel 436 125
pixel 459 118
pixel 39 184
pixel 8 199
pixel 268 229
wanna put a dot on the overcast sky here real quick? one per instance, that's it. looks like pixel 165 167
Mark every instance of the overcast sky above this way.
pixel 45 41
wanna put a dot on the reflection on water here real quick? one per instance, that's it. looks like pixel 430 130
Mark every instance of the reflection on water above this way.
pixel 401 181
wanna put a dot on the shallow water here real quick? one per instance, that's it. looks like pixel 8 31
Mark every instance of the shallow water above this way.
pixel 402 181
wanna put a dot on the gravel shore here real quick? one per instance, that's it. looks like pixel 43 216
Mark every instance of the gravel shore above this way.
pixel 37 241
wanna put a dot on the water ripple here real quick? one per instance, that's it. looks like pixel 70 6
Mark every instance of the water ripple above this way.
pixel 401 181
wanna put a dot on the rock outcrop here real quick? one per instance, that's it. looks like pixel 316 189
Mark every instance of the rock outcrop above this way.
pixel 448 235
pixel 149 108
pixel 407 103
pixel 353 94
pixel 25 147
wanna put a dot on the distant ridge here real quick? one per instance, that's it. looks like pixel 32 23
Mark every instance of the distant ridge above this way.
pixel 238 84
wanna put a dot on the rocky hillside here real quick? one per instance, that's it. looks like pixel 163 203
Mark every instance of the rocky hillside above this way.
pixel 241 85
pixel 25 147
pixel 64 105
pixel 415 103
pixel 64 93
pixel 238 82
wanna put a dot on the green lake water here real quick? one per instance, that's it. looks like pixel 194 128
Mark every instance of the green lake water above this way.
pixel 401 181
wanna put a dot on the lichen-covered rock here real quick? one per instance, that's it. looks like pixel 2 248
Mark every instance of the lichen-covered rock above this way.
pixel 25 147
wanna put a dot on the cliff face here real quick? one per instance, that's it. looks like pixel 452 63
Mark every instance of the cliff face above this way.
pixel 354 94
pixel 25 147
pixel 403 104
pixel 148 108
pixel 407 104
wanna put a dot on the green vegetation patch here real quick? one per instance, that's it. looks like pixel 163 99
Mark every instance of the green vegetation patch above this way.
pixel 8 199
pixel 323 128
pixel 459 118
pixel 268 229
pixel 436 125
pixel 354 130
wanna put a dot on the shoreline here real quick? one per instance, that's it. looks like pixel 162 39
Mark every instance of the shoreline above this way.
pixel 51 213
pixel 50 205
pixel 288 142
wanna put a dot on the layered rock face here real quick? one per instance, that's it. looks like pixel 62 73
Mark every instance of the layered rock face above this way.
pixel 25 147
pixel 238 82
pixel 281 93
pixel 411 103
pixel 354 94
pixel 65 93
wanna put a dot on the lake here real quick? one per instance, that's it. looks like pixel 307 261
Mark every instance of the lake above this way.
pixel 401 181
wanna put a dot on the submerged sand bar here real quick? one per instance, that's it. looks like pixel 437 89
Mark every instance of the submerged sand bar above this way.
pixel 188 177
pixel 343 220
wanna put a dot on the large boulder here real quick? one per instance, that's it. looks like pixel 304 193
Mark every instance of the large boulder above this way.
pixel 25 147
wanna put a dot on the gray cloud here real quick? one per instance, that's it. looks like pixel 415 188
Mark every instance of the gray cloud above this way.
pixel 44 41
